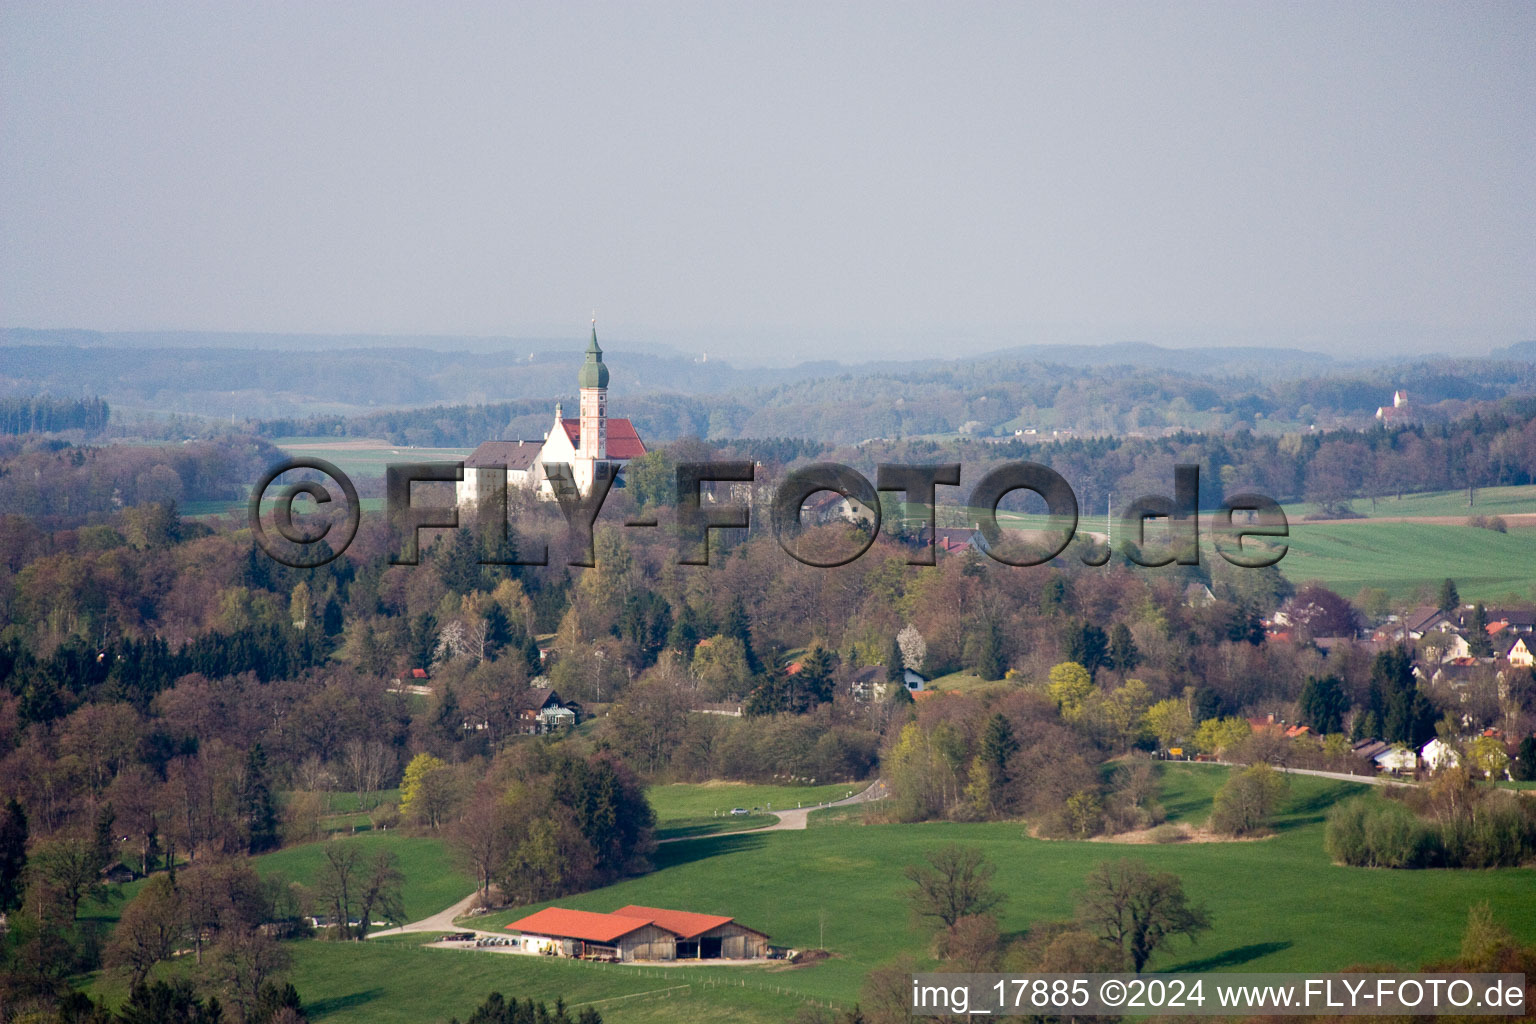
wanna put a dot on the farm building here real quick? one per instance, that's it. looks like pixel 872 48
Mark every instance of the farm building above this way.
pixel 705 936
pixel 638 933
pixel 581 933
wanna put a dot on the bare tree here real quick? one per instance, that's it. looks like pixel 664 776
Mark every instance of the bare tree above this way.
pixel 365 762
pixel 955 883
pixel 380 892
pixel 338 883
pixel 971 944
pixel 483 838
pixel 245 960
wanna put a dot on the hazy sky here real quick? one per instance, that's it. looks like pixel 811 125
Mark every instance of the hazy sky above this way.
pixel 820 177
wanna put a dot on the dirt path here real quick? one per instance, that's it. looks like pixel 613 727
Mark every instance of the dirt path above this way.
pixel 1520 519
pixel 796 819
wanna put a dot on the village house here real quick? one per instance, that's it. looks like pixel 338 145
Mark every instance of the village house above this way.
pixel 1437 754
pixel 540 710
pixel 949 539
pixel 1519 655
pixel 870 683
pixel 637 933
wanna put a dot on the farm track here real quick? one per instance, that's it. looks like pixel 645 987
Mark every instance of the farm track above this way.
pixel 789 821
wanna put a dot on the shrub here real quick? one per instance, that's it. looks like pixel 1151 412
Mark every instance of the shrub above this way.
pixel 1243 806
pixel 1494 523
pixel 1168 833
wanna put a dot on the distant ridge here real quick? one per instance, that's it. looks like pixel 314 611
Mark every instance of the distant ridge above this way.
pixel 1522 350
pixel 1146 354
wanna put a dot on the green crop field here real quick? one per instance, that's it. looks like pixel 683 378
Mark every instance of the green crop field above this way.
pixel 1491 501
pixel 361 458
pixel 1401 558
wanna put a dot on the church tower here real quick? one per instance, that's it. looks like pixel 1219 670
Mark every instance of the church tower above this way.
pixel 592 446
pixel 594 402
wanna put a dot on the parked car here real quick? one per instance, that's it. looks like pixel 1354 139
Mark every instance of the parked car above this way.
pixel 738 810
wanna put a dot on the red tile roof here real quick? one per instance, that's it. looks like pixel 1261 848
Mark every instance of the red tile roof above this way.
pixel 623 440
pixel 682 923
pixel 578 924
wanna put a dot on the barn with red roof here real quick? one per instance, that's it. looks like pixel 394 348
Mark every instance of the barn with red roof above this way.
pixel 638 933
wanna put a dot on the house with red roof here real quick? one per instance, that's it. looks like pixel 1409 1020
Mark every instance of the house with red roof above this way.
pixel 592 445
pixel 637 933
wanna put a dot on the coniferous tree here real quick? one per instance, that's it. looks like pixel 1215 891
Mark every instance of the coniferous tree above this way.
pixel 1478 641
pixel 990 663
pixel 894 670
pixel 1450 600
pixel 684 635
pixel 1524 768
pixel 1087 645
pixel 1323 703
pixel 498 631
pixel 258 812
pixel 998 745
pixel 13 854
pixel 1123 653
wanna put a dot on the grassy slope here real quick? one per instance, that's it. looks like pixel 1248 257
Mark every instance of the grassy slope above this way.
pixel 1276 903
pixel 1401 557
pixel 367 461
pixel 696 809
pixel 1491 501
pixel 432 879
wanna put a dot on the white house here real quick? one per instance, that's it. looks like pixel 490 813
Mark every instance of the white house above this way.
pixel 1397 760
pixel 1437 754
pixel 1520 655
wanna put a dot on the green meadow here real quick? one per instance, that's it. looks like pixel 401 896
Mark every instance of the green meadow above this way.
pixel 698 809
pixel 364 457
pixel 1276 904
pixel 1490 501
pixel 1402 558
pixel 433 880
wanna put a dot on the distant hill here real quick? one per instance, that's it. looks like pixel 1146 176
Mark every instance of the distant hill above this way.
pixel 1521 350
pixel 1233 359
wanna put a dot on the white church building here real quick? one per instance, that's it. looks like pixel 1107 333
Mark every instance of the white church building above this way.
pixel 590 444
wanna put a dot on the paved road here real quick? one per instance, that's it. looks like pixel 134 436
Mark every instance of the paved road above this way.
pixel 442 921
pixel 1364 780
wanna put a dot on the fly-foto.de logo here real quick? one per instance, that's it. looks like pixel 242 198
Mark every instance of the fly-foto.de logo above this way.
pixel 315 540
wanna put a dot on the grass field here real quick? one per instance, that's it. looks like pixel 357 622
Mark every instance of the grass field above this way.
pixel 1400 558
pixel 396 980
pixel 1276 905
pixel 1491 501
pixel 701 809
pixel 364 457
pixel 432 879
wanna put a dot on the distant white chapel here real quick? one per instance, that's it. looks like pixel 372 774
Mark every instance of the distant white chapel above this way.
pixel 590 445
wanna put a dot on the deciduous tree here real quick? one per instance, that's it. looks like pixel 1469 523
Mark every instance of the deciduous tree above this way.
pixel 1137 910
